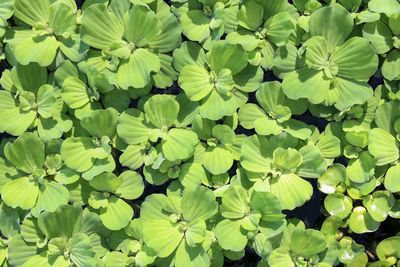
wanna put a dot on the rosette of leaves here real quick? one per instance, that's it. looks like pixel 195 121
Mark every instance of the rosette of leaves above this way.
pixel 279 162
pixel 32 176
pixel 384 143
pixel 108 194
pixel 202 19
pixel 88 90
pixel 388 251
pixel 384 35
pixel 274 115
pixel 28 101
pixel 220 79
pixel 219 146
pixel 244 214
pixel 260 36
pixel 300 247
pixel 47 28
pixel 336 67
pixel 68 236
pixel 90 152
pixel 181 224
pixel 134 41
pixel 127 246
pixel 160 122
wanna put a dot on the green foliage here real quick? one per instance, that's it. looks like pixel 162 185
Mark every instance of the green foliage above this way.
pixel 191 132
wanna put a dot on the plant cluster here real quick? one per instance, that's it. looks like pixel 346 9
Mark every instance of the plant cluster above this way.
pixel 147 133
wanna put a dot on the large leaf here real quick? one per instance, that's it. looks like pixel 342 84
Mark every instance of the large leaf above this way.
pixel 224 55
pixel 140 65
pixel 101 27
pixel 304 82
pixel 141 25
pixel 230 235
pixel 196 82
pixel 333 22
pixel 179 144
pixel 26 153
pixel 198 203
pixel 21 192
pixel 117 214
pixel 291 190
pixel 32 12
pixel 101 123
pixel 161 110
pixel 355 59
pixel 383 146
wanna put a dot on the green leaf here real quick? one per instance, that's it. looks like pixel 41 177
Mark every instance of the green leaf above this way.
pixel 388 247
pixel 60 223
pixel 235 202
pixel 51 196
pixel 379 204
pixel 307 243
pixel 250 15
pixel 198 203
pixel 356 59
pixel 304 82
pixel 338 205
pixel 383 147
pixel 161 110
pixel 131 127
pixel 287 159
pixel 390 68
pixel 32 12
pixel 361 169
pixel 141 25
pixel 141 64
pixel 21 192
pixel 106 182
pixel 79 153
pixel 313 164
pixel 101 123
pixel 81 250
pixel 101 27
pixel 256 154
pixel 380 36
pixel 217 160
pixel 392 182
pixel 224 55
pixel 291 190
pixel 279 27
pixel 230 235
pixel 196 82
pixel 388 7
pixel 332 22
pixel 17 121
pixel 195 25
pixel 352 93
pixel 132 185
pixel 75 93
pixel 191 256
pixel 117 214
pixel 26 153
pixel 179 144
pixel 28 47
pixel 361 221
pixel 62 18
